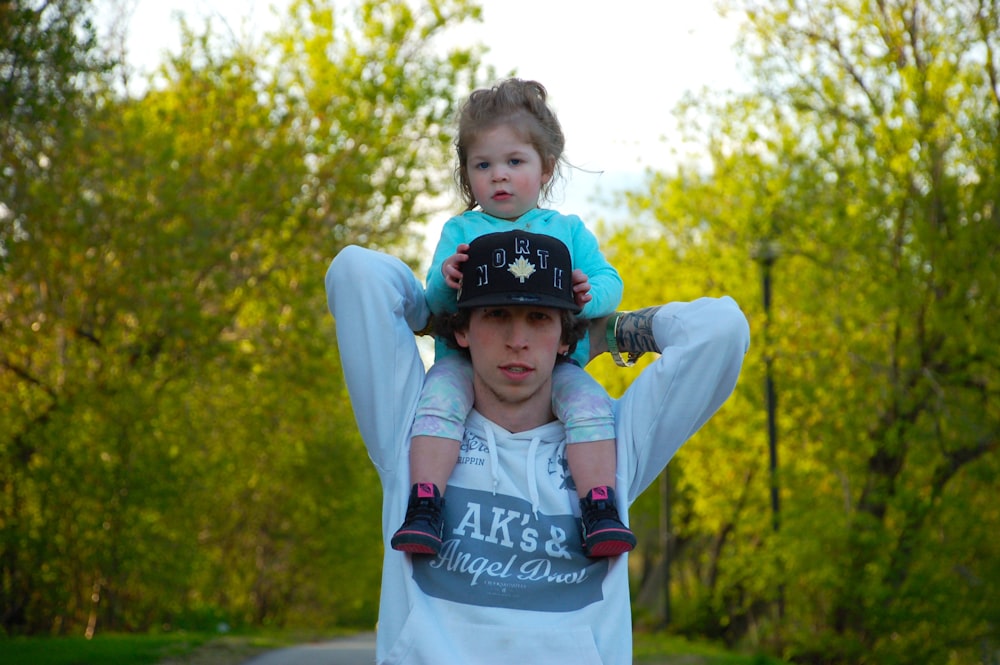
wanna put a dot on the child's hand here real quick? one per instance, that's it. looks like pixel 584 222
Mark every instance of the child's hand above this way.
pixel 452 267
pixel 581 288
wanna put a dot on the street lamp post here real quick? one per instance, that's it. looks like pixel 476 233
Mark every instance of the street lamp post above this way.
pixel 766 253
pixel 767 256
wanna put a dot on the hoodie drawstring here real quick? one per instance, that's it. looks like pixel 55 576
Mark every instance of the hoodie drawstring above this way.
pixel 491 442
pixel 531 472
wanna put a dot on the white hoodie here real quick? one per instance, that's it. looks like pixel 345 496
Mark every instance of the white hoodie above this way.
pixel 511 584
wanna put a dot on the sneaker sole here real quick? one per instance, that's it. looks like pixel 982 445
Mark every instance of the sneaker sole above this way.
pixel 609 548
pixel 415 543
pixel 610 542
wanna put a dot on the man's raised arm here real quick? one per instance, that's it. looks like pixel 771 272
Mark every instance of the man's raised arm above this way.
pixel 377 303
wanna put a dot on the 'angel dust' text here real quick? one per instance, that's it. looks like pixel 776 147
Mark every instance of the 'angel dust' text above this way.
pixel 510 529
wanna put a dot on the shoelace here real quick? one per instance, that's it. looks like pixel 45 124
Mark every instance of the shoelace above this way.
pixel 600 510
pixel 426 510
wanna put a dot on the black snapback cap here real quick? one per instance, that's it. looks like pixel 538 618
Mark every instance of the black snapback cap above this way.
pixel 517 268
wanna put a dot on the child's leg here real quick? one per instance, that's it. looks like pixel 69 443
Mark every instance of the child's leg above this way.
pixel 439 424
pixel 584 407
pixel 438 429
pixel 586 411
pixel 432 459
pixel 592 464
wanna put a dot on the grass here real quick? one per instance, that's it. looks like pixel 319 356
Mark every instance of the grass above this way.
pixel 157 649
pixel 102 650
pixel 664 649
pixel 210 649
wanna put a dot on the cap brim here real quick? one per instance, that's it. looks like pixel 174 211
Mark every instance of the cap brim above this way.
pixel 518 300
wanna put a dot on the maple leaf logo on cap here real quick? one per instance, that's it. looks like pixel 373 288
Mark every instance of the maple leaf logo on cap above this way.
pixel 522 269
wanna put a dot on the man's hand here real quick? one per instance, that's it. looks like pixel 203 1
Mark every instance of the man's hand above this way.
pixel 452 266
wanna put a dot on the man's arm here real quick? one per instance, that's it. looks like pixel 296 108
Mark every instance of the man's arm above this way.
pixel 701 346
pixel 633 333
pixel 377 303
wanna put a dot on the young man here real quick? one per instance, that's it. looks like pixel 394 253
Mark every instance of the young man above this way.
pixel 511 583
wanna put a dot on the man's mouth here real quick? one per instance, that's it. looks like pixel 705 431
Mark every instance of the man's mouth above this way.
pixel 515 370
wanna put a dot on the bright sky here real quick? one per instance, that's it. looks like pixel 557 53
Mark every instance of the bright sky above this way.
pixel 614 70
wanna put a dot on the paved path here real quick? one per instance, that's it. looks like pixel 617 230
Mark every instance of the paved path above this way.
pixel 355 650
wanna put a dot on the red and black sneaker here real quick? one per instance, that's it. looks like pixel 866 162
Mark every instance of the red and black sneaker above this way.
pixel 424 524
pixel 604 534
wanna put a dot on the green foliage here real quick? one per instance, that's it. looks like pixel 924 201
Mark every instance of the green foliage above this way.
pixel 177 444
pixel 48 50
pixel 868 157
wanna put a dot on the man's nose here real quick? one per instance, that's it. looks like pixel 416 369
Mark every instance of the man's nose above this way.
pixel 517 335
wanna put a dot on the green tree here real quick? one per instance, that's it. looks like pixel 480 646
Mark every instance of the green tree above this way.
pixel 869 154
pixel 177 442
pixel 48 56
pixel 47 53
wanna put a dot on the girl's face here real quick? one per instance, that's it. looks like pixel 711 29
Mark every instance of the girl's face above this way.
pixel 506 174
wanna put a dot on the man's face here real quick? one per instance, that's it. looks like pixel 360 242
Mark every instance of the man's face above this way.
pixel 513 352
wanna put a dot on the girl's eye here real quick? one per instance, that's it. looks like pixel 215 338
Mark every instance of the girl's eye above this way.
pixel 515 161
pixel 482 165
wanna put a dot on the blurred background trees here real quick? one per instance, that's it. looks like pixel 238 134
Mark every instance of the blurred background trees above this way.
pixel 176 444
pixel 866 162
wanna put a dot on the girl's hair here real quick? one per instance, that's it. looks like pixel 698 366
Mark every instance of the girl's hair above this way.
pixel 519 104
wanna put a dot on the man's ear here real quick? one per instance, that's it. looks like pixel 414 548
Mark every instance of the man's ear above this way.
pixel 462 338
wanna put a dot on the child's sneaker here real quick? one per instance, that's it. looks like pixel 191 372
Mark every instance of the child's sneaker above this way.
pixel 604 534
pixel 424 524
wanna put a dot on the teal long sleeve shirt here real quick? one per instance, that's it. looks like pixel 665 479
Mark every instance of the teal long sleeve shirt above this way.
pixel 606 285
